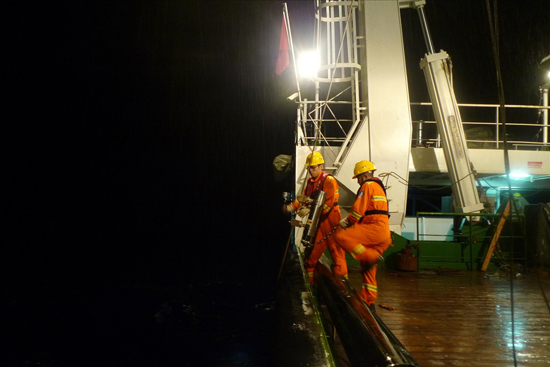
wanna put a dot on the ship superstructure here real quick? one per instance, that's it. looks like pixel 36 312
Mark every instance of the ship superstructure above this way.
pixel 356 106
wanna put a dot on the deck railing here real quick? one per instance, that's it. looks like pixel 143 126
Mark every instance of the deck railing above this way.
pixel 527 126
pixel 472 237
pixel 483 129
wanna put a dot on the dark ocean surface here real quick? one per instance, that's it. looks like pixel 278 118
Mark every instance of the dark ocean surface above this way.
pixel 223 322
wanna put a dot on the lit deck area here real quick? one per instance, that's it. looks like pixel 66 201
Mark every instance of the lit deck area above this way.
pixel 462 318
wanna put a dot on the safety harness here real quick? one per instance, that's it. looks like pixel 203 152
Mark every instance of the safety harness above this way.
pixel 371 212
pixel 310 189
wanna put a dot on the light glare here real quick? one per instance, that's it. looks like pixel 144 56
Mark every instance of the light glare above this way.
pixel 518 175
pixel 308 64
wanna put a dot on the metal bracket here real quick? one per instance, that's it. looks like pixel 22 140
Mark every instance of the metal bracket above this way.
pixel 413 4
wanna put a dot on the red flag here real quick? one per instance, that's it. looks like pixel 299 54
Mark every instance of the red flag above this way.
pixel 282 59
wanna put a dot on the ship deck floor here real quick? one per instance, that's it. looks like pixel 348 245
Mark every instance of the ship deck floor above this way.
pixel 464 318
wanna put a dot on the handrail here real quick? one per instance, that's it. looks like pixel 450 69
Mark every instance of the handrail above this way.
pixel 421 137
pixel 494 143
pixel 472 239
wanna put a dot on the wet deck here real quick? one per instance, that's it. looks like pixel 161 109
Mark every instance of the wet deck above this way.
pixel 461 318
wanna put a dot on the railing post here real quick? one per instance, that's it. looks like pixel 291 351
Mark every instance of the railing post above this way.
pixel 544 92
pixel 471 244
pixel 420 127
pixel 417 228
pixel 497 127
pixel 418 242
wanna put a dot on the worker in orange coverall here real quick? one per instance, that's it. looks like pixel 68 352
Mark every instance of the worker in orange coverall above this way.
pixel 365 232
pixel 330 217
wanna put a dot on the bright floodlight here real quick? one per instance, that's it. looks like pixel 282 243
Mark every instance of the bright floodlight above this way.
pixel 308 64
pixel 518 175
pixel 545 65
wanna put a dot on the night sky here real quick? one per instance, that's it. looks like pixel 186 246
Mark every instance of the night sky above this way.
pixel 139 142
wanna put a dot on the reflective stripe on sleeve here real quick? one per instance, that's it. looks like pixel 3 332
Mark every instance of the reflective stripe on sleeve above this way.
pixel 379 198
pixel 355 215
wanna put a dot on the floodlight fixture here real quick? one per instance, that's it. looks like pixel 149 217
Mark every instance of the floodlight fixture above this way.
pixel 292 97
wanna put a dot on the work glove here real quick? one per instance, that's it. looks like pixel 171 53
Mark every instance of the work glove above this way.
pixel 287 208
pixel 304 200
pixel 344 223
pixel 296 223
pixel 303 211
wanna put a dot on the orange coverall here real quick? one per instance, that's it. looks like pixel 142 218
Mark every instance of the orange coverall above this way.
pixel 368 236
pixel 330 218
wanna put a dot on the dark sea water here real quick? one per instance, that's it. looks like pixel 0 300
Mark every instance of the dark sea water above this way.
pixel 153 298
pixel 204 323
pixel 144 225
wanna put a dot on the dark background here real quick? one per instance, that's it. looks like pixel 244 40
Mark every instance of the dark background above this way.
pixel 142 221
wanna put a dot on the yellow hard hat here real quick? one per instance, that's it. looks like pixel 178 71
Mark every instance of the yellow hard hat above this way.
pixel 362 167
pixel 314 159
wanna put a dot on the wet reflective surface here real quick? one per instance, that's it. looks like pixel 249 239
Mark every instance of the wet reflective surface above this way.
pixel 459 318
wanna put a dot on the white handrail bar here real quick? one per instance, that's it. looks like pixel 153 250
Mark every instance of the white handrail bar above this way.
pixel 340 134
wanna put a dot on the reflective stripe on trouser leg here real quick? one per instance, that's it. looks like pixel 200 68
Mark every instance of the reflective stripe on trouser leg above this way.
pixel 310 276
pixel 369 291
pixel 357 251
pixel 371 288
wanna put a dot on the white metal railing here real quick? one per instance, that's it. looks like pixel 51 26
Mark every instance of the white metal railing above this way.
pixel 336 131
pixel 531 135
